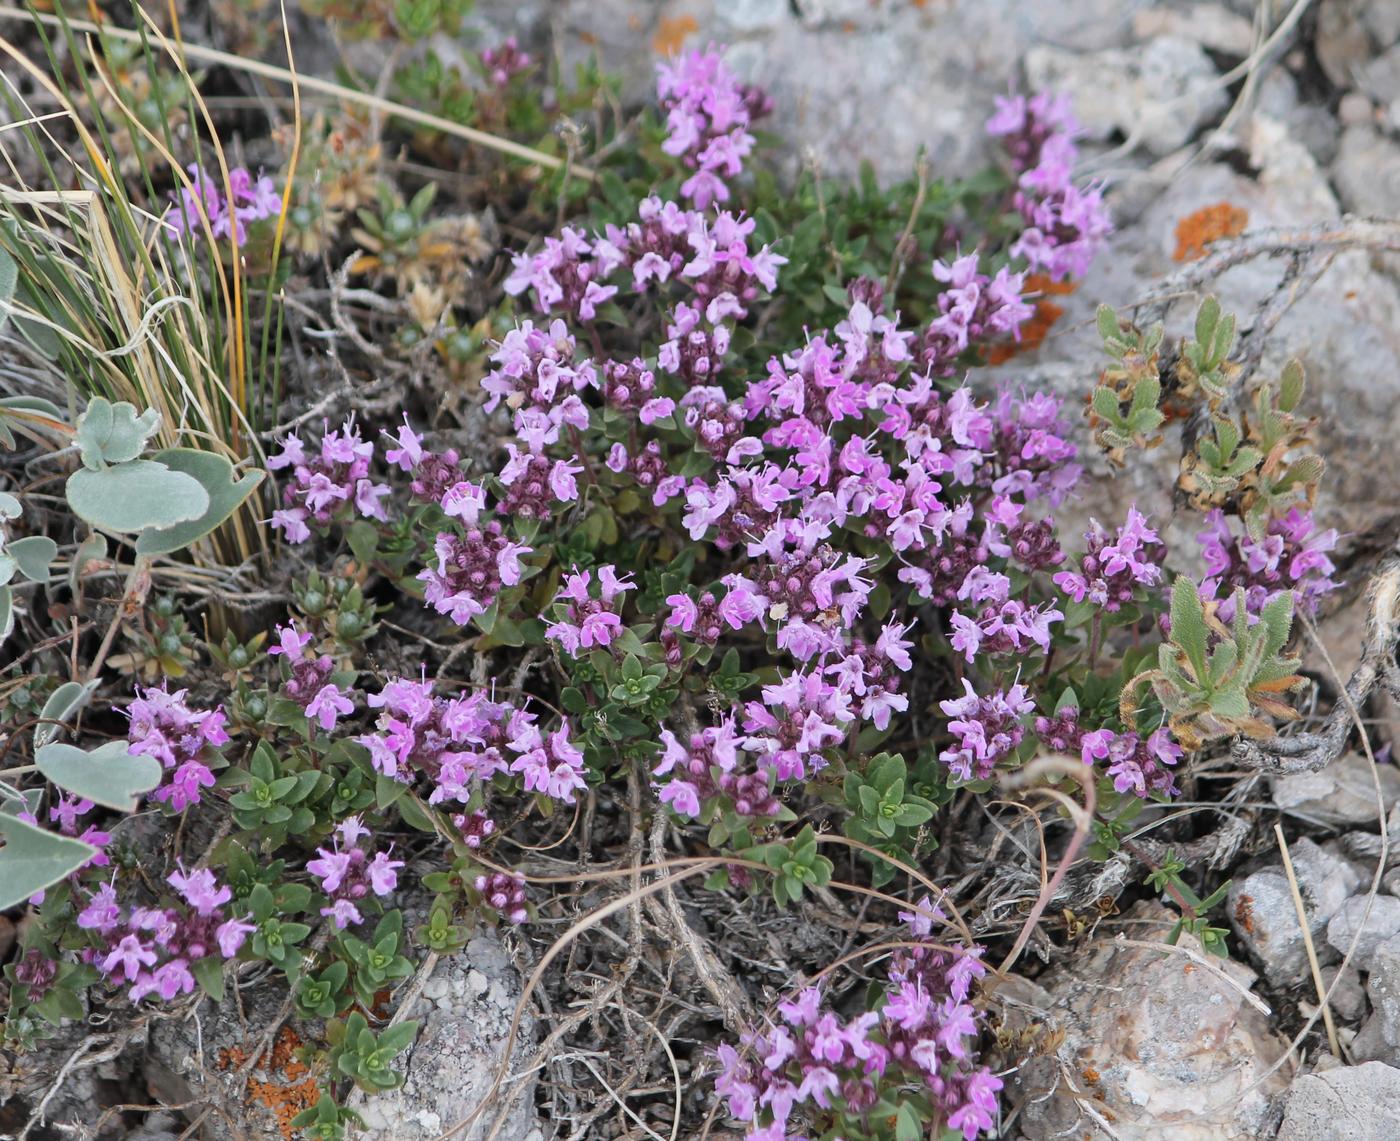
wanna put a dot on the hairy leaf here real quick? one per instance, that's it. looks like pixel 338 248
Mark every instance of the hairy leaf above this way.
pixel 108 775
pixel 33 859
pixel 216 476
pixel 135 496
pixel 113 433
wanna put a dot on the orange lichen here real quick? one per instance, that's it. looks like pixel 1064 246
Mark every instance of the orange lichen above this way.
pixel 288 1086
pixel 1035 330
pixel 1208 224
pixel 671 34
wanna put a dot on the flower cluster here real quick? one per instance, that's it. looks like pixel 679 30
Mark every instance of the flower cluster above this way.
pixel 248 200
pixel 709 767
pixel 1291 556
pixel 504 62
pixel 988 729
pixel 326 483
pixel 1136 765
pixel 709 257
pixel 347 873
pixel 459 743
pixel 588 622
pixel 154 950
pixel 923 1033
pixel 973 308
pixel 1113 568
pixel 708 112
pixel 309 683
pixel 162 725
pixel 505 893
pixel 1065 224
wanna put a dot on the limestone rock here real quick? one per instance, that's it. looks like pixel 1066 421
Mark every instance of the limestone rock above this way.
pixel 1174 1052
pixel 1165 89
pixel 1342 793
pixel 1383 989
pixel 1349 1103
pixel 1265 917
pixel 1375 926
pixel 464 1012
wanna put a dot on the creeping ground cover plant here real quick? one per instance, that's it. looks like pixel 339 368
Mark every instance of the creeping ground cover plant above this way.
pixel 766 545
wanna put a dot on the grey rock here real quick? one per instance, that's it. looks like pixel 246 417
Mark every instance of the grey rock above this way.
pixel 1327 880
pixel 1383 989
pixel 1380 77
pixel 1348 999
pixel 1341 41
pixel 465 1011
pixel 1265 917
pixel 1342 793
pixel 1391 881
pixel 1178 1052
pixel 1373 926
pixel 755 15
pixel 1369 1045
pixel 1382 20
pixel 1366 171
pixel 1165 90
pixel 1349 1103
pixel 852 81
pixel 1212 26
pixel 1355 109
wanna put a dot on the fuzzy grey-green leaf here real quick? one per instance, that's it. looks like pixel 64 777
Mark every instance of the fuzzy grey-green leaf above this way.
pixel 107 775
pixel 63 702
pixel 1189 623
pixel 135 496
pixel 33 553
pixel 215 474
pixel 33 859
pixel 114 433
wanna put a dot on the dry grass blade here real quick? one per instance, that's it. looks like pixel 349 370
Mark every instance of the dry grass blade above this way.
pixel 329 89
pixel 1306 929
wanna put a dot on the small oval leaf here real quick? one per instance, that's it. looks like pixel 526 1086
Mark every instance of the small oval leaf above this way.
pixel 34 553
pixel 63 702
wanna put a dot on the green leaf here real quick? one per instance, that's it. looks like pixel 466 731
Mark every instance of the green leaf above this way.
pixel 1107 321
pixel 134 496
pixel 107 775
pixel 9 279
pixel 33 859
pixel 225 494
pixel 34 554
pixel 1189 624
pixel 907 1125
pixel 1277 619
pixel 1291 385
pixel 7 612
pixel 1206 319
pixel 363 539
pixel 209 974
pixel 63 702
pixel 1105 403
pixel 113 433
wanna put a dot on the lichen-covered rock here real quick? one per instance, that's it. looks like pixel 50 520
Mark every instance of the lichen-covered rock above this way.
pixel 464 1012
pixel 1349 1103
pixel 1167 1047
